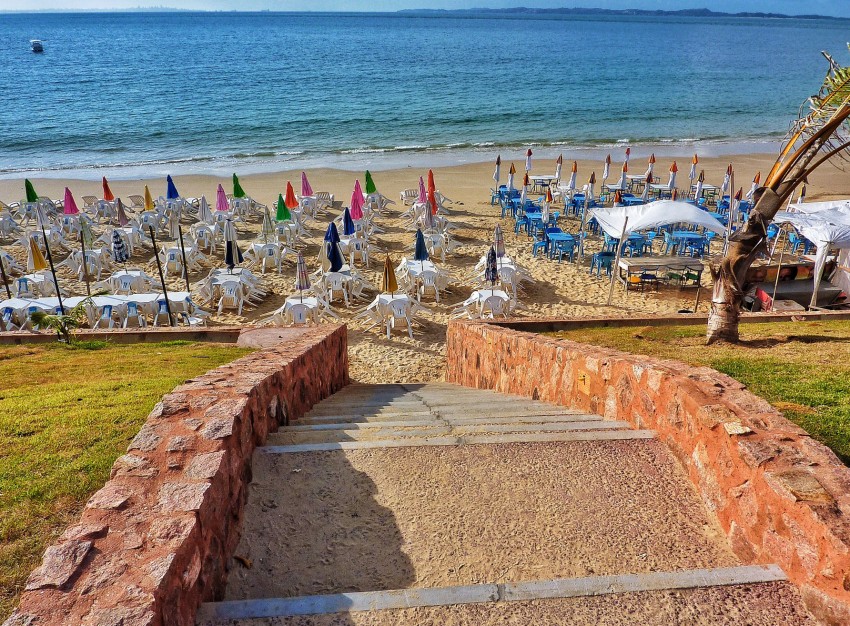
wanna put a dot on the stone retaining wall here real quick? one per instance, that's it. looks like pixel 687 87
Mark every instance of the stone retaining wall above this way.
pixel 154 542
pixel 781 496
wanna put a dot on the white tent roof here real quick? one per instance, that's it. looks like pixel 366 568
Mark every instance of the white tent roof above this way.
pixel 817 207
pixel 654 215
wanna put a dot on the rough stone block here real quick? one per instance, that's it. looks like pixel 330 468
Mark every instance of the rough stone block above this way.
pixel 60 563
pixel 182 496
pixel 798 485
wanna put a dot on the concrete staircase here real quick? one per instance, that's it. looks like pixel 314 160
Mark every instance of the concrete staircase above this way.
pixel 433 503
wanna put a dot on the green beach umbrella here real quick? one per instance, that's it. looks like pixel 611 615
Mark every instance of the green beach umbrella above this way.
pixel 238 192
pixel 370 184
pixel 32 196
pixel 283 214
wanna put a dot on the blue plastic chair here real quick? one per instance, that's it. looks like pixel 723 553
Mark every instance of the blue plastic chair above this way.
pixel 600 261
pixel 562 248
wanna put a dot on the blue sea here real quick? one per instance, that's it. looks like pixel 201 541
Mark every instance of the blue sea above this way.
pixel 146 93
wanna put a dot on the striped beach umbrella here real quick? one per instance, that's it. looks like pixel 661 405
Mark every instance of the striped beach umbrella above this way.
pixel 347 223
pixel 121 214
pixel 283 214
pixel 498 173
pixel 423 194
pixel 268 228
pixel 238 192
pixel 389 284
pixel 356 212
pixel 306 189
pixel 205 216
pixel 232 253
pixel 674 169
pixel 511 173
pixel 559 164
pixel 528 160
pixel 755 186
pixel 428 219
pixel 149 206
pixel 31 195
pixel 171 189
pixel 302 279
pixel 290 200
pixel 221 203
pixel 693 172
pixel 35 259
pixel 107 192
pixel 120 254
pixel 370 184
pixel 499 242
pixel 70 205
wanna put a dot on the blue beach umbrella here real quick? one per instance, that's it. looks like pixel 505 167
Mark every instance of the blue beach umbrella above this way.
pixel 171 193
pixel 420 252
pixel 347 223
pixel 491 271
pixel 334 256
pixel 332 234
pixel 232 253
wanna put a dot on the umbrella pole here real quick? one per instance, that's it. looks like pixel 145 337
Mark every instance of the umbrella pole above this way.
pixel 85 265
pixel 778 269
pixel 53 270
pixel 183 252
pixel 5 280
pixel 161 277
pixel 616 268
pixel 583 221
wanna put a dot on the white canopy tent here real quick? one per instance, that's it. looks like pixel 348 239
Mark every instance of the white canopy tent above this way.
pixel 827 225
pixel 653 215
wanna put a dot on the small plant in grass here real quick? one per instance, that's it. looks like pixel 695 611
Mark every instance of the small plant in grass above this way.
pixel 64 324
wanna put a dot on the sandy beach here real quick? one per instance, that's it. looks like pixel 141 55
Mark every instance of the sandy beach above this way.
pixel 563 290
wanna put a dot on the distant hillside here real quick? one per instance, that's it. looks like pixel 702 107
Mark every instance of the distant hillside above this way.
pixel 633 12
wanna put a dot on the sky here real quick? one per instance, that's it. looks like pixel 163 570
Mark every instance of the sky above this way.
pixel 823 7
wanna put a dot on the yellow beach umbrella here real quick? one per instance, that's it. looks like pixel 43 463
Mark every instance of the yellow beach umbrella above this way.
pixel 389 284
pixel 35 259
pixel 148 199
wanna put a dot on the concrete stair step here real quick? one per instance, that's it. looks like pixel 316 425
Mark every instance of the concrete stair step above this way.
pixel 322 424
pixel 455 417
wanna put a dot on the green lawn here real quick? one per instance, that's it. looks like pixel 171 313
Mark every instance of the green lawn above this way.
pixel 66 413
pixel 803 368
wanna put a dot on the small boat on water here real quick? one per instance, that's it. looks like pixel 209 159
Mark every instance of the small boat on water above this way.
pixel 37 45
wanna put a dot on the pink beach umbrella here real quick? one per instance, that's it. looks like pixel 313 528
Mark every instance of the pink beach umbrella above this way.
pixel 423 196
pixel 70 205
pixel 356 208
pixel 306 189
pixel 359 189
pixel 221 203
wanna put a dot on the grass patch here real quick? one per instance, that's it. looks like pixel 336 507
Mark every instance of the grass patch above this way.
pixel 802 368
pixel 66 413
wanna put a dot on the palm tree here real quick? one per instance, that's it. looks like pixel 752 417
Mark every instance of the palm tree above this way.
pixel 65 323
pixel 819 134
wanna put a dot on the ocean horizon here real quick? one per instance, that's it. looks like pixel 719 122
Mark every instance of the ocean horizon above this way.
pixel 145 93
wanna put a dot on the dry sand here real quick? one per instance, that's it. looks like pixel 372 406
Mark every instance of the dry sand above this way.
pixel 559 289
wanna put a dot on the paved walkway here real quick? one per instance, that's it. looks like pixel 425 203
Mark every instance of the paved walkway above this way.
pixel 418 504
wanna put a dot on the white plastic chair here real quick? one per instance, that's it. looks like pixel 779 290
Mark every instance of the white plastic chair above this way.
pixel 427 280
pixel 399 310
pixel 358 247
pixel 335 283
pixel 105 317
pixel 173 262
pixel 299 314
pixel 8 318
pixel 271 253
pixel 134 314
pixel 494 305
pixel 232 297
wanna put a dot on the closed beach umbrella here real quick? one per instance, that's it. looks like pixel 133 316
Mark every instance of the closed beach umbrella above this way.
pixel 618 198
pixel 359 189
pixel 121 214
pixel 332 234
pixel 523 198
pixel 606 169
pixel 306 189
pixel 204 214
pixel 671 184
pixel 389 284
pixel 302 279
pixel 107 192
pixel 268 226
pixel 559 164
pixel 232 253
pixel 347 223
pixel 420 252
pixel 528 160
pixel 32 196
pixel 624 182
pixel 755 186
pixel 283 214
pixel 171 189
pixel 544 213
pixel 432 202
pixel 148 199
pixel 290 200
pixel 86 235
pixel 590 183
pixel 423 195
pixel 221 203
pixel 511 173
pixel 431 184
pixel 119 250
pixel 571 186
pixel 35 259
pixel 370 184
pixel 70 206
pixel 726 180
pixel 499 242
pixel 700 182
pixel 491 270
pixel 650 165
pixel 428 219
pixel 628 155
pixel 356 206
pixel 645 195
pixel 498 173
pixel 324 263
pixel 802 197
pixel 334 256
pixel 693 172
pixel 238 192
